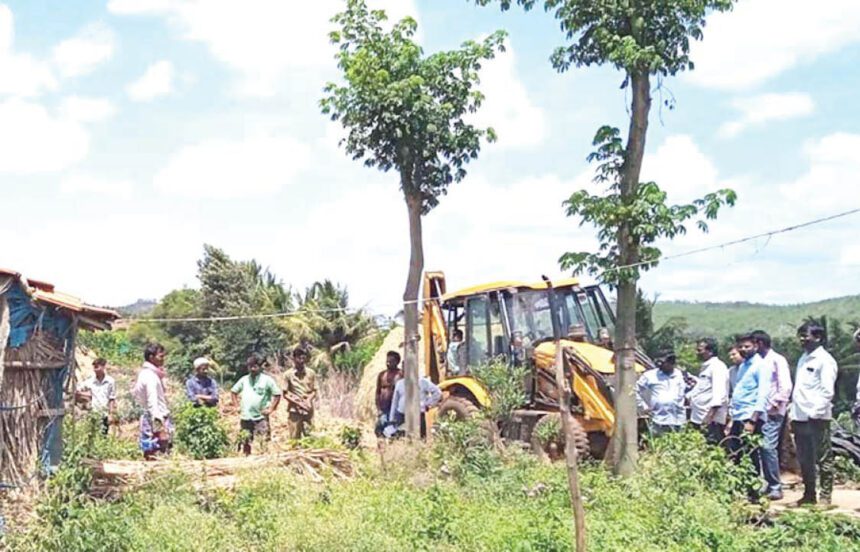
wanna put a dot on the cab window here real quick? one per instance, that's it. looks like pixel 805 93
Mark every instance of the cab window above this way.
pixel 478 330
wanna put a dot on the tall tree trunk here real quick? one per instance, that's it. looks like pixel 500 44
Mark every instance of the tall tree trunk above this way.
pixel 410 311
pixel 625 451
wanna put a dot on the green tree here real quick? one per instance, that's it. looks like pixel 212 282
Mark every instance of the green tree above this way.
pixel 328 324
pixel 233 288
pixel 643 39
pixel 407 111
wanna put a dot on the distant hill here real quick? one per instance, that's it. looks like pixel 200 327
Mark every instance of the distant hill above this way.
pixel 138 308
pixel 723 319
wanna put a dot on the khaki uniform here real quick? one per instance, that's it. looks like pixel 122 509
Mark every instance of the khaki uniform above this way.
pixel 303 386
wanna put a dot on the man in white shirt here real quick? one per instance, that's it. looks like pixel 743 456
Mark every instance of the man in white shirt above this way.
pixel 99 392
pixel 812 411
pixel 778 397
pixel 156 429
pixel 660 394
pixel 430 396
pixel 709 399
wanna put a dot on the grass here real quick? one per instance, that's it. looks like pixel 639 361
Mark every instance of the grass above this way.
pixel 686 497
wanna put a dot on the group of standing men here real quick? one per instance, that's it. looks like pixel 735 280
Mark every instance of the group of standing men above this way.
pixel 256 395
pixel 754 397
pixel 391 398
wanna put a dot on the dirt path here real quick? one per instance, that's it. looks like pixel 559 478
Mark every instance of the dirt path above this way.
pixel 845 499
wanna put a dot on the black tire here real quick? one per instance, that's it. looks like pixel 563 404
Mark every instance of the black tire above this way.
pixel 554 446
pixel 459 408
pixel 462 409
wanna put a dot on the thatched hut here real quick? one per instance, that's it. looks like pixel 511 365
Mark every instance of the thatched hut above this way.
pixel 38 327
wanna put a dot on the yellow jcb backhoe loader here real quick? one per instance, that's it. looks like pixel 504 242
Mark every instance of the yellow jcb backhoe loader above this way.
pixel 515 320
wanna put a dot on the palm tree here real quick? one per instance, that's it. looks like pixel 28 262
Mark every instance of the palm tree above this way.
pixel 327 323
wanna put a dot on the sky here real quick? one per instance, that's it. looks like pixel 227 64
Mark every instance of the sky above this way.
pixel 132 132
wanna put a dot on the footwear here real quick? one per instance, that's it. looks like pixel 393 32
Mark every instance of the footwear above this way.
pixel 805 501
pixel 826 503
pixel 775 496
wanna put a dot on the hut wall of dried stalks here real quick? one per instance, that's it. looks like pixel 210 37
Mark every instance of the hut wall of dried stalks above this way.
pixel 24 392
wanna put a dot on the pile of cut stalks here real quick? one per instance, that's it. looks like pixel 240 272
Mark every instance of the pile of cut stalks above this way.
pixel 113 478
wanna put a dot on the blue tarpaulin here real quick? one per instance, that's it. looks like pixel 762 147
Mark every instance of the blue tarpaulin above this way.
pixel 25 317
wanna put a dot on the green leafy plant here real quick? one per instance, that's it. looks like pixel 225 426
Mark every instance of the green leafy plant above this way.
pixel 550 431
pixel 200 432
pixel 350 437
pixel 462 449
pixel 506 386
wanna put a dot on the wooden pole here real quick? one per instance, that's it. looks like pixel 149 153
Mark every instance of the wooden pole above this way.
pixel 570 452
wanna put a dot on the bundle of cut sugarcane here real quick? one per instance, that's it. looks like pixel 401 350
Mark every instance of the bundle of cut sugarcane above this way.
pixel 112 478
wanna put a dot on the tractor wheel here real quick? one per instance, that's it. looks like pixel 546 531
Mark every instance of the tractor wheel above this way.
pixel 461 409
pixel 458 408
pixel 548 437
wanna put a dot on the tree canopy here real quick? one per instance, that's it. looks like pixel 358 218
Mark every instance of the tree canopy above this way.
pixel 403 109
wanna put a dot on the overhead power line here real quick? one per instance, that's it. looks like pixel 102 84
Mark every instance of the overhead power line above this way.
pixel 300 312
pixel 739 241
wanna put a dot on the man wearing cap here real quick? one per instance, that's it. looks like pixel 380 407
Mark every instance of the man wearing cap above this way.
pixel 660 394
pixel 200 388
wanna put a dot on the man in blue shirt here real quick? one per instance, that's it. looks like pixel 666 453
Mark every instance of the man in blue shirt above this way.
pixel 660 394
pixel 200 388
pixel 749 402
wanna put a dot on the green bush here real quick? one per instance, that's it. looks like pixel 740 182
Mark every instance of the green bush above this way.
pixel 506 386
pixel 462 449
pixel 200 433
pixel 115 347
pixel 350 437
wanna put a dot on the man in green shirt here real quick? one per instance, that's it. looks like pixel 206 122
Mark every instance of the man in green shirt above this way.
pixel 301 386
pixel 257 396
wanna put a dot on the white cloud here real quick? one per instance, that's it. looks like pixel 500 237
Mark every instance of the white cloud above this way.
pixel 757 110
pixel 20 74
pixel 481 231
pixel 84 52
pixel 156 82
pixel 508 107
pixel 760 39
pixel 804 265
pixel 118 278
pixel 681 169
pixel 33 141
pixel 850 255
pixel 830 184
pixel 87 184
pixel 86 110
pixel 262 40
pixel 220 169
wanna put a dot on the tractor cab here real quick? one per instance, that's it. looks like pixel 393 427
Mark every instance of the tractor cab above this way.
pixel 510 319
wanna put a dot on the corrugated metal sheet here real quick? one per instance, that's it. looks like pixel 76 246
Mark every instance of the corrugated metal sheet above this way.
pixel 44 292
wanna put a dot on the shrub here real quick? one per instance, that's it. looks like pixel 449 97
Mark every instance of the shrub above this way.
pixel 114 346
pixel 350 437
pixel 200 432
pixel 506 387
pixel 462 449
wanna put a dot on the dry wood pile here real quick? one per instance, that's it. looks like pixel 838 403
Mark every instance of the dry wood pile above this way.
pixel 114 477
